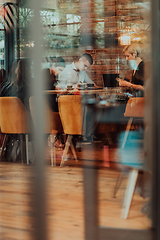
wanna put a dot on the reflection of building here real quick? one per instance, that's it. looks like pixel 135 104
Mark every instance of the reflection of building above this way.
pixel 70 27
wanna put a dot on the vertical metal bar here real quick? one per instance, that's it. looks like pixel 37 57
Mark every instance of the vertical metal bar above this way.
pixel 155 137
pixel 27 153
pixel 89 172
pixel 90 175
pixel 91 202
pixel 9 38
pixel 37 87
pixel 22 148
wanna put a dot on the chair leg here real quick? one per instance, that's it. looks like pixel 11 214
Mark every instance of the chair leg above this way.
pixel 3 144
pixel 127 131
pixel 133 175
pixel 109 139
pixel 68 142
pixel 74 152
pixel 54 156
pixel 53 153
pixel 22 149
pixel 27 153
pixel 118 183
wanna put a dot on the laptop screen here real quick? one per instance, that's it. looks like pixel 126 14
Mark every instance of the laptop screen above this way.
pixel 109 80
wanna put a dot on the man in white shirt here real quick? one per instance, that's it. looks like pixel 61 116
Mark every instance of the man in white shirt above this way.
pixel 75 73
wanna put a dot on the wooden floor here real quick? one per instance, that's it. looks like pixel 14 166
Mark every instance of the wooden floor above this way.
pixel 64 194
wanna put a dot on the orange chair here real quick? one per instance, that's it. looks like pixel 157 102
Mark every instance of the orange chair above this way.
pixel 14 119
pixel 52 127
pixel 134 110
pixel 70 110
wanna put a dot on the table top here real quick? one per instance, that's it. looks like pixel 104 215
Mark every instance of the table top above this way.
pixel 75 91
pixel 115 90
pixel 105 97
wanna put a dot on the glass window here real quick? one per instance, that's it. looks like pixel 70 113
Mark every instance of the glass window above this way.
pixel 84 87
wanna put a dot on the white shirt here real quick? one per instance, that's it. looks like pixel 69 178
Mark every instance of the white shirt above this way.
pixel 70 76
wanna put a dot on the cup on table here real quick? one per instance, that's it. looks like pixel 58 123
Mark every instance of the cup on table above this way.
pixel 81 86
pixel 69 87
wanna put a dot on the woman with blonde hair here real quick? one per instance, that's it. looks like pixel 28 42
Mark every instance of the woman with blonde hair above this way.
pixel 132 54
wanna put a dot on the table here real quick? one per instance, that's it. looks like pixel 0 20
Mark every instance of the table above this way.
pixel 115 90
pixel 75 91
pixel 99 104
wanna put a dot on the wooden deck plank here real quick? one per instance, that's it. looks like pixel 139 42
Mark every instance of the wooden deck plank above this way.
pixel 64 196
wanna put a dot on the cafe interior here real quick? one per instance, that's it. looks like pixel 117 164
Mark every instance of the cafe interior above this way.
pixel 79 113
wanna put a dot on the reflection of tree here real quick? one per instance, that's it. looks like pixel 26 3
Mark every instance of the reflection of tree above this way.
pixel 1 16
pixel 61 41
pixel 25 20
pixel 73 23
pixel 48 17
pixel 1 35
pixel 60 30
pixel 58 33
pixel 25 17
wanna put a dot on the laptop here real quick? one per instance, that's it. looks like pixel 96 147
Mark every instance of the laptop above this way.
pixel 109 80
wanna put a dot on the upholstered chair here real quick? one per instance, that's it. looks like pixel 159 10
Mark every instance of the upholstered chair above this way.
pixel 131 151
pixel 70 110
pixel 14 119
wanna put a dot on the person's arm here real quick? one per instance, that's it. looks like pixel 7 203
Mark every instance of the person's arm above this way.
pixel 123 83
pixel 88 80
pixel 137 87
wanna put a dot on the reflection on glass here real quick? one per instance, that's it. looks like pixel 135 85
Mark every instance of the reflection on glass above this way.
pixel 88 60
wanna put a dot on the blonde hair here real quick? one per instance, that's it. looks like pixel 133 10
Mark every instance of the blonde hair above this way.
pixel 132 49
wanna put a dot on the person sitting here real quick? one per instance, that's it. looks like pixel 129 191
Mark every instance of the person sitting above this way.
pixel 17 83
pixel 75 73
pixel 132 55
pixel 72 75
pixel 51 76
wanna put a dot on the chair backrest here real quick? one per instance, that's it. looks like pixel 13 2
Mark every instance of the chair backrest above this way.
pixel 135 107
pixel 70 110
pixel 14 118
pixel 53 121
